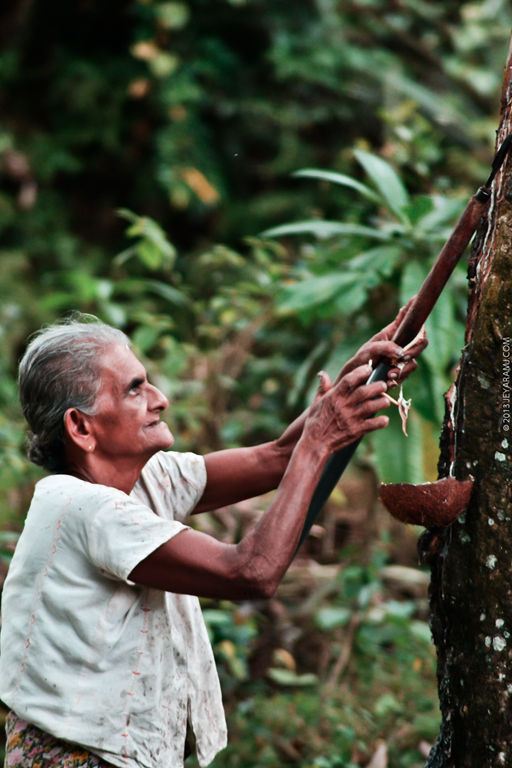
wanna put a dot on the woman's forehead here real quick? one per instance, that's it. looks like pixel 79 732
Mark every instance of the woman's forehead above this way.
pixel 119 365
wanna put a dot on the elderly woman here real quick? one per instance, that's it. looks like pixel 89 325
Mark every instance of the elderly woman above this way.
pixel 105 657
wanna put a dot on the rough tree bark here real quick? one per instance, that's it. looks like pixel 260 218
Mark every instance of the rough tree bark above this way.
pixel 471 589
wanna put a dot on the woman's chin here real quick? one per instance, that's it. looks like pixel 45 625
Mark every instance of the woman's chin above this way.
pixel 159 437
pixel 167 437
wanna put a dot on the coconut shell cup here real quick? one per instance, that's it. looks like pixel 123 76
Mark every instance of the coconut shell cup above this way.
pixel 429 504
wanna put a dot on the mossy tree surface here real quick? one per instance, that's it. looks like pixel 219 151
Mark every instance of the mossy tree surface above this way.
pixel 471 592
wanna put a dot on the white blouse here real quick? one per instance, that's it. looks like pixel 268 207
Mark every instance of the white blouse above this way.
pixel 91 657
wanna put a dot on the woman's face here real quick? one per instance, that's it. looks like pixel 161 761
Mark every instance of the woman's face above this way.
pixel 127 422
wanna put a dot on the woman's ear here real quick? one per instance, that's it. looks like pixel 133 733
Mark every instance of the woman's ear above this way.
pixel 78 428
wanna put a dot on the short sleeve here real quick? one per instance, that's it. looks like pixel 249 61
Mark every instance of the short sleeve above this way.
pixel 123 532
pixel 172 483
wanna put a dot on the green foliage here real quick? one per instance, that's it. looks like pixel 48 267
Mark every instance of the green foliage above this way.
pixel 383 693
pixel 152 248
pixel 348 284
pixel 8 540
pixel 230 631
pixel 189 118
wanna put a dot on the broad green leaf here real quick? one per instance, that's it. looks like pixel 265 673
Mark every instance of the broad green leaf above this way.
pixel 437 236
pixel 324 229
pixel 149 254
pixel 440 384
pixel 329 618
pixel 419 388
pixel 421 630
pixel 341 354
pixel 344 351
pixel 58 300
pixel 153 248
pixel 445 108
pixel 314 290
pixel 381 259
pixel 366 593
pixel 287 677
pixel 386 180
pixel 155 234
pixel 220 255
pixel 351 300
pixel 217 617
pixel 387 704
pixel 444 332
pixel 168 292
pixel 399 609
pixel 413 276
pixel 399 459
pixel 114 313
pixel 303 372
pixel 340 178
pixel 441 331
pixel 236 663
pixel 443 211
pixel 145 337
pixel 420 206
pixel 124 255
pixel 125 213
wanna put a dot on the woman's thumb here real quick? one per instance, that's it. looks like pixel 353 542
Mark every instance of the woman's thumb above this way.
pixel 325 383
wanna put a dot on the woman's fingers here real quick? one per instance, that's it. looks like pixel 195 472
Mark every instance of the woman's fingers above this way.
pixel 408 369
pixel 369 392
pixel 418 348
pixel 354 379
pixel 378 350
pixel 401 374
pixel 378 422
pixel 375 351
pixel 373 405
pixel 324 385
pixel 345 412
pixel 380 347
pixel 360 398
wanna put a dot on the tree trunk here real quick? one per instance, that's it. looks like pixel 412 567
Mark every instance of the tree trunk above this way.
pixel 471 589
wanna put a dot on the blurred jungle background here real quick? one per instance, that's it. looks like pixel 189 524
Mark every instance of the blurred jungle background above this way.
pixel 147 153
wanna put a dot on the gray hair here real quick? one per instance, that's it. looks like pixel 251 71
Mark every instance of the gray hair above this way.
pixel 60 370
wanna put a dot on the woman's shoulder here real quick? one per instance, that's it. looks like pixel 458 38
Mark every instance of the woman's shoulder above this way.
pixel 71 488
pixel 172 483
pixel 172 471
pixel 64 495
pixel 174 462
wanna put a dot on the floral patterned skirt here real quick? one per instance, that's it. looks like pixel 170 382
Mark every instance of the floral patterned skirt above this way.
pixel 29 747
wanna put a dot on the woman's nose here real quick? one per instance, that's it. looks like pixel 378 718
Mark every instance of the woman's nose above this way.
pixel 158 400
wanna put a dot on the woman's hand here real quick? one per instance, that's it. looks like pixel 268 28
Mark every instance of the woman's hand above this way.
pixel 380 347
pixel 344 411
